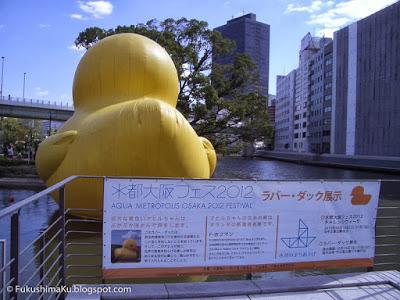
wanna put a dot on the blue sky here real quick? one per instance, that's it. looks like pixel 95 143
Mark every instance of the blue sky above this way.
pixel 36 36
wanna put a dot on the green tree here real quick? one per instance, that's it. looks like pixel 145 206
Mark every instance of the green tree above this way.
pixel 14 131
pixel 220 101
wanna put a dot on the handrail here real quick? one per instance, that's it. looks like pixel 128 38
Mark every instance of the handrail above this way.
pixel 22 203
pixel 40 235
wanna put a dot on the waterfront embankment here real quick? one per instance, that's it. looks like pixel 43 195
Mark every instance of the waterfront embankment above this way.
pixel 386 164
pixel 30 183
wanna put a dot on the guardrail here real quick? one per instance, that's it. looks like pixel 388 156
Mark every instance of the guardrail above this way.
pixel 69 250
pixel 36 103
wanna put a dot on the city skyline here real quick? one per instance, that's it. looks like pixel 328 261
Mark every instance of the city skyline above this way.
pixel 37 36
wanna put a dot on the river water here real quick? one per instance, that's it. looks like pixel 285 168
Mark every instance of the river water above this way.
pixel 244 168
pixel 36 216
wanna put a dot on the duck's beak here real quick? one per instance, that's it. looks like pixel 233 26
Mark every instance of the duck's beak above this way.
pixel 212 157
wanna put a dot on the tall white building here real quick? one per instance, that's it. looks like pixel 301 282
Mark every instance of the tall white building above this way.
pixel 285 97
pixel 299 95
pixel 309 46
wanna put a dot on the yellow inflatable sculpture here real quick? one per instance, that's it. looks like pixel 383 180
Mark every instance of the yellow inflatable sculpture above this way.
pixel 125 123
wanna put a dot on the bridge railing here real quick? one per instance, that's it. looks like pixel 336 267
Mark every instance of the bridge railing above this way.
pixel 69 250
pixel 36 103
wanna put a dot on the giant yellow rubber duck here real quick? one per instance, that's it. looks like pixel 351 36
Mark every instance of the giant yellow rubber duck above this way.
pixel 125 123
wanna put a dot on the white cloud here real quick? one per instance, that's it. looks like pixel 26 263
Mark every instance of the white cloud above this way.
pixel 76 48
pixel 130 235
pixel 41 92
pixel 329 3
pixel 79 50
pixel 97 9
pixel 77 17
pixel 44 25
pixel 329 16
pixel 316 5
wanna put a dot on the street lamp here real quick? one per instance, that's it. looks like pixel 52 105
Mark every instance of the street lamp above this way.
pixel 23 88
pixel 2 67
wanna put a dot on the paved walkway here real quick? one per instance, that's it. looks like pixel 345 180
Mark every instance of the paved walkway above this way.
pixel 372 285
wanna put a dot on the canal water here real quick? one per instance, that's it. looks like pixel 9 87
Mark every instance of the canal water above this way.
pixel 244 168
pixel 36 217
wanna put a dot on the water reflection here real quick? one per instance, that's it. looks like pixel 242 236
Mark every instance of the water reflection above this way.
pixel 244 168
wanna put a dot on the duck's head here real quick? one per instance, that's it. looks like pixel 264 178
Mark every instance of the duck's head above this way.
pixel 357 191
pixel 124 67
pixel 129 244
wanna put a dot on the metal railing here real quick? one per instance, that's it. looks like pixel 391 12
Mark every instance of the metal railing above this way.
pixel 36 103
pixel 49 264
pixel 69 250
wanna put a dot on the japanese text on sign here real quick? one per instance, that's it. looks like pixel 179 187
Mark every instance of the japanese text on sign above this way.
pixel 213 226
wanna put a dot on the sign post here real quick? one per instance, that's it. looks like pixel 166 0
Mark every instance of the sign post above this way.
pixel 171 227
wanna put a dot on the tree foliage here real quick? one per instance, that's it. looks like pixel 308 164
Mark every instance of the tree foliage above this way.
pixel 21 134
pixel 12 130
pixel 220 101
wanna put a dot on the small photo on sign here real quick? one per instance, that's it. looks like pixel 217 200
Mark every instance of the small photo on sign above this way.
pixel 126 246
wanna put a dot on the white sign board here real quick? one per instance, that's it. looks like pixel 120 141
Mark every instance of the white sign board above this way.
pixel 160 227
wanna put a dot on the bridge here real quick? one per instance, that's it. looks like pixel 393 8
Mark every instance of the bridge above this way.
pixel 35 109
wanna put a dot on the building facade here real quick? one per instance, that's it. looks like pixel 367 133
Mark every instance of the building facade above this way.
pixel 309 46
pixel 49 127
pixel 320 113
pixel 366 86
pixel 303 108
pixel 252 38
pixel 311 86
pixel 271 109
pixel 285 97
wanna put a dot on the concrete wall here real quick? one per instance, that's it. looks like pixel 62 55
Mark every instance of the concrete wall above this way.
pixel 357 162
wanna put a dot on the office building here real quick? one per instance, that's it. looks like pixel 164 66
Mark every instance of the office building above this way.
pixel 366 86
pixel 320 113
pixel 310 88
pixel 252 38
pixel 303 107
pixel 50 127
pixel 285 95
pixel 271 109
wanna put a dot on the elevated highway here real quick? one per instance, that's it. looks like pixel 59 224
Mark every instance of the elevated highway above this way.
pixel 34 109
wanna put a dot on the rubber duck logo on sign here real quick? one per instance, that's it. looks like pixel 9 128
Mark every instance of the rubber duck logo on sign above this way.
pixel 359 198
